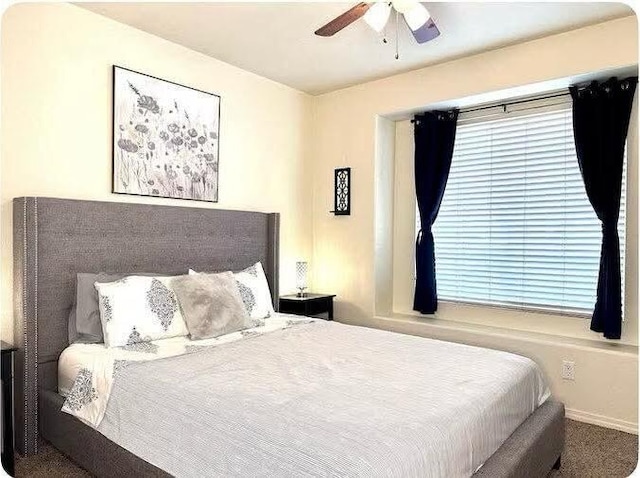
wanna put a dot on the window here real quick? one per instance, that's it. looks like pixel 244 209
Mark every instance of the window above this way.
pixel 515 227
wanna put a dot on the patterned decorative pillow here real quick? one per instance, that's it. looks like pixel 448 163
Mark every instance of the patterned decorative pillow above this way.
pixel 84 319
pixel 139 309
pixel 254 290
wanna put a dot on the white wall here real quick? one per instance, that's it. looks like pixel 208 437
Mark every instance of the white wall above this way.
pixel 56 123
pixel 346 257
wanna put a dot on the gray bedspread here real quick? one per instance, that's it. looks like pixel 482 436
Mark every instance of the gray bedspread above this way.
pixel 323 399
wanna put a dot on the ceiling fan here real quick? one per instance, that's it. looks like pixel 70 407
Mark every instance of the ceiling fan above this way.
pixel 376 15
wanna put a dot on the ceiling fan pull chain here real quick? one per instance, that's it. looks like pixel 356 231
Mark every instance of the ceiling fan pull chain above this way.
pixel 386 30
pixel 397 30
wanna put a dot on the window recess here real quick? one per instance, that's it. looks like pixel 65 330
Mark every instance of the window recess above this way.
pixel 515 227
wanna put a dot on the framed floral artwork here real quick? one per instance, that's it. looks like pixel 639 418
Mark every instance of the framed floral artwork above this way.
pixel 166 138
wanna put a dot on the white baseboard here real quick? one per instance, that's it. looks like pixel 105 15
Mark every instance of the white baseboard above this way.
pixel 601 420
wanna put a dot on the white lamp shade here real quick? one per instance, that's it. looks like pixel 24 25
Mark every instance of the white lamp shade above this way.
pixel 416 16
pixel 378 15
pixel 301 275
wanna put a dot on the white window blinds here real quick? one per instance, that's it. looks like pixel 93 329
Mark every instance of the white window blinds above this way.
pixel 515 226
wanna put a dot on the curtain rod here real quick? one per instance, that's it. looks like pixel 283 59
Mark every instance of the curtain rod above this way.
pixel 519 110
pixel 511 103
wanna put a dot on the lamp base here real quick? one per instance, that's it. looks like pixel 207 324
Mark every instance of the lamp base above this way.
pixel 301 293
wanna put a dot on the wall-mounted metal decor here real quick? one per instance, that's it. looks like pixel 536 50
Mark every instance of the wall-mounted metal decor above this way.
pixel 342 192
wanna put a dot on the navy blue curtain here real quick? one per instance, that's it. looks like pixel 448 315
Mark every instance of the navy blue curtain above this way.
pixel 601 113
pixel 434 134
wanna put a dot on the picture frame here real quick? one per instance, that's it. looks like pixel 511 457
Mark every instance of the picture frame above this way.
pixel 166 138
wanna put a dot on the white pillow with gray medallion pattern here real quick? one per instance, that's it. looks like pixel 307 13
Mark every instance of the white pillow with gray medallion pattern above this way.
pixel 138 309
pixel 254 290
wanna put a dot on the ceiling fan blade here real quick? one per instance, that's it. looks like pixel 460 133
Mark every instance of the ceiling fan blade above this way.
pixel 344 20
pixel 426 32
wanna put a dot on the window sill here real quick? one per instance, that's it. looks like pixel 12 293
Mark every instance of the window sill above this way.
pixel 456 330
pixel 566 328
pixel 531 309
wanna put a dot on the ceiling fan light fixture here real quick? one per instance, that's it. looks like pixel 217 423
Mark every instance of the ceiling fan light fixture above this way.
pixel 378 15
pixel 416 16
pixel 403 6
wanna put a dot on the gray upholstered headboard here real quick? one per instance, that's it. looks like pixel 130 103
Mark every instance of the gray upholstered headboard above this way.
pixel 53 239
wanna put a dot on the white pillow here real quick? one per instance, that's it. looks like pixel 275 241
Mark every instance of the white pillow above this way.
pixel 139 309
pixel 254 290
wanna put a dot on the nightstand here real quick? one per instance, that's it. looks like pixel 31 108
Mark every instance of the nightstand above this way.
pixel 310 305
pixel 6 370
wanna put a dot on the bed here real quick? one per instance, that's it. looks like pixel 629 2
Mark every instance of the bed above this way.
pixel 513 432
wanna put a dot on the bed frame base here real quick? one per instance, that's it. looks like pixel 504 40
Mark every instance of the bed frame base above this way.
pixel 558 463
pixel 533 449
pixel 530 452
pixel 87 447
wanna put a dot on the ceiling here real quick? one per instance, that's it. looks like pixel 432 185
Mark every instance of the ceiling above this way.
pixel 276 40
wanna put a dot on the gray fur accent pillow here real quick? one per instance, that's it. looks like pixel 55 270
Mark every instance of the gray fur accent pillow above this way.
pixel 211 304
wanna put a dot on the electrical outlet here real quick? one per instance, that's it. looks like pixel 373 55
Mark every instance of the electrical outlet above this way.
pixel 568 370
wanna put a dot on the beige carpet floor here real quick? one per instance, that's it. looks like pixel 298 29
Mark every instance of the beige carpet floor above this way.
pixel 596 452
pixel 590 452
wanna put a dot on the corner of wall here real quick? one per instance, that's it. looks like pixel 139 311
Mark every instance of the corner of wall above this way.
pixel 384 177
